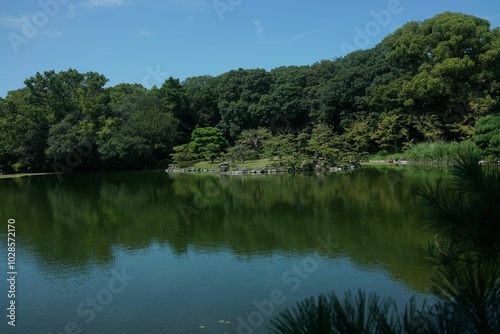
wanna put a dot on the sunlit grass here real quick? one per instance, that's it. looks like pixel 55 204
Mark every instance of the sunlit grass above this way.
pixel 12 176
pixel 252 164
pixel 438 152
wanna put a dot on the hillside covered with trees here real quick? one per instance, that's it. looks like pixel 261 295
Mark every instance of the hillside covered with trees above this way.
pixel 436 80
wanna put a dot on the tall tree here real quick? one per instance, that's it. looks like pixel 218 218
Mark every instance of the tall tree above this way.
pixel 239 94
pixel 487 134
pixel 173 98
pixel 322 144
pixel 208 142
pixel 446 65
pixel 203 97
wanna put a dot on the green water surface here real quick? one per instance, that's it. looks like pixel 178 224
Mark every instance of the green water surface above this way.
pixel 149 252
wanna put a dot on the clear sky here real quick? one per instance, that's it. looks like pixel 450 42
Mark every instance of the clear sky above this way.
pixel 145 41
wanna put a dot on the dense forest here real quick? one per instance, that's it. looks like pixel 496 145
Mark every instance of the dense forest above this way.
pixel 436 80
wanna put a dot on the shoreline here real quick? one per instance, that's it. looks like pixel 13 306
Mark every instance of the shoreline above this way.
pixel 269 170
pixel 18 175
pixel 259 171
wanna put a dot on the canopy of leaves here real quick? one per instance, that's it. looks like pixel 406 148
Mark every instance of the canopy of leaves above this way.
pixel 207 143
pixel 428 81
pixel 487 134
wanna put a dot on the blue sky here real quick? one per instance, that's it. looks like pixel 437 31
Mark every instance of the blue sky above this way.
pixel 145 41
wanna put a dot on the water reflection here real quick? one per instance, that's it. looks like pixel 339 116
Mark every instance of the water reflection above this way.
pixel 370 214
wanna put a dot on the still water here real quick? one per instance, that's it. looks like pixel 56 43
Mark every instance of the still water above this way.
pixel 148 252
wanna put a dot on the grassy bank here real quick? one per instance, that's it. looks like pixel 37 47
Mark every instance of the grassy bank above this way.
pixel 439 152
pixel 251 164
pixel 13 176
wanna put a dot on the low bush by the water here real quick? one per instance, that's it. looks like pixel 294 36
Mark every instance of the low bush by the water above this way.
pixel 439 152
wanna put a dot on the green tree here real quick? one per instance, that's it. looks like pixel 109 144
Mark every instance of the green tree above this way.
pixel 241 152
pixel 285 106
pixel 69 141
pixel 127 98
pixel 250 144
pixel 358 134
pixel 16 130
pixel 255 139
pixel 142 139
pixel 158 128
pixel 139 132
pixel 183 153
pixel 446 67
pixel 122 151
pixel 172 98
pixel 202 96
pixel 391 130
pixel 208 143
pixel 283 148
pixel 239 92
pixel 346 85
pixel 427 126
pixel 322 144
pixel 487 134
pixel 61 111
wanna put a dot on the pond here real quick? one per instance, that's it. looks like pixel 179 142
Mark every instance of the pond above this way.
pixel 149 252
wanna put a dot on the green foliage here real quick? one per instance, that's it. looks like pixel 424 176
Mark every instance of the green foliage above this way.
pixel 487 134
pixel 465 217
pixel 443 71
pixel 141 139
pixel 183 153
pixel 207 143
pixel 428 81
pixel 202 96
pixel 285 106
pixel 239 92
pixel 282 149
pixel 467 244
pixel 124 150
pixel 439 152
pixel 159 130
pixel 353 314
pixel 358 132
pixel 252 141
pixel 391 129
pixel 241 152
pixel 67 137
pixel 73 99
pixel 58 114
pixel 340 89
pixel 171 97
pixel 427 126
pixel 322 144
pixel 468 298
pixel 328 314
pixel 469 295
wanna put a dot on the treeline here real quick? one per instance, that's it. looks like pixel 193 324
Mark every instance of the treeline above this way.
pixel 428 81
